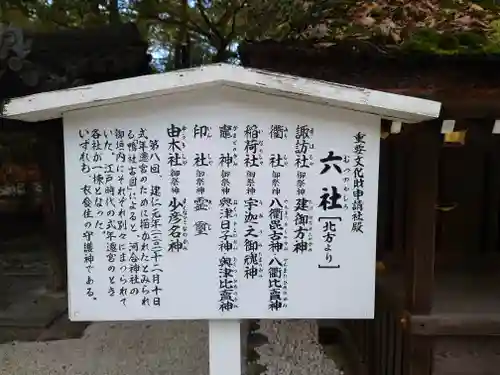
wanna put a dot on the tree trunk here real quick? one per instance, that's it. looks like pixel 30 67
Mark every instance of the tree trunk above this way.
pixel 94 7
pixel 222 54
pixel 114 12
pixel 182 59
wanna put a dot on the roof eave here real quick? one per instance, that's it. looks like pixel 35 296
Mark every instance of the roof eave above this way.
pixel 54 104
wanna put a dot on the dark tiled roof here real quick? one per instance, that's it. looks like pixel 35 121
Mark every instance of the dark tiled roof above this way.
pixel 474 79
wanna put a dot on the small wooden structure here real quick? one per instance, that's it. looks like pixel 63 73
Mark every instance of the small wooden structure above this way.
pixel 438 303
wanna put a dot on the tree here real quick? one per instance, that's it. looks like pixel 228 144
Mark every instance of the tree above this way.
pixel 190 33
pixel 54 14
pixel 195 32
pixel 211 29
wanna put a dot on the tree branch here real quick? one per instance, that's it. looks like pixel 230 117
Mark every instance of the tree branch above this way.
pixel 191 24
pixel 207 21
pixel 173 21
pixel 233 20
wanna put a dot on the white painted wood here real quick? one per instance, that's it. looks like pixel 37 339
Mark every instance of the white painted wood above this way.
pixel 224 347
pixel 190 279
pixel 50 105
pixel 396 127
pixel 447 126
pixel 496 127
pixel 244 332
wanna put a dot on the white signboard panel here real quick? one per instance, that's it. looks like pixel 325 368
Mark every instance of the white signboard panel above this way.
pixel 221 204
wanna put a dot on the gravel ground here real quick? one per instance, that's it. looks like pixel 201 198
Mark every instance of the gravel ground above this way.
pixel 293 349
pixel 166 348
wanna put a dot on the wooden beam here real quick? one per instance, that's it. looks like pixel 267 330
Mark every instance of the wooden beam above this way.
pixel 492 191
pixel 425 145
pixel 16 126
pixel 483 108
pixel 422 189
pixel 420 357
pixel 455 325
pixel 398 172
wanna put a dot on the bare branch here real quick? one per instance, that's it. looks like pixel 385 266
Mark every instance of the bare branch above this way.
pixel 233 20
pixel 207 21
pixel 230 10
pixel 174 21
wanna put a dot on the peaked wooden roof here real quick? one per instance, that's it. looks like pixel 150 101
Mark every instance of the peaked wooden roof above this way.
pixel 50 105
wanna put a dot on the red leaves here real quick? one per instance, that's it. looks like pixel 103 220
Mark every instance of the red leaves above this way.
pixel 398 19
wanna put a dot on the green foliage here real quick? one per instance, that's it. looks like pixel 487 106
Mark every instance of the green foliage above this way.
pixel 449 43
pixel 207 30
pixel 430 41
pixel 493 45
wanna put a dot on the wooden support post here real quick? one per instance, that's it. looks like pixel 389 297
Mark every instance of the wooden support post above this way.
pixel 383 197
pixel 244 332
pixel 421 216
pixel 51 153
pixel 492 188
pixel 422 188
pixel 398 173
pixel 224 347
